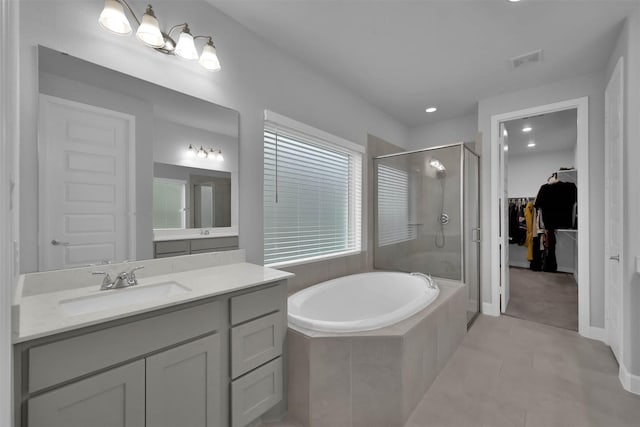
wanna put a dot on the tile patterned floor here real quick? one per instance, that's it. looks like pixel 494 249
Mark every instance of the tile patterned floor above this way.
pixel 515 373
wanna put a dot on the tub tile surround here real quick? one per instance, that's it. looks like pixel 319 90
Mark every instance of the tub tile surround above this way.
pixel 515 373
pixel 373 378
pixel 36 310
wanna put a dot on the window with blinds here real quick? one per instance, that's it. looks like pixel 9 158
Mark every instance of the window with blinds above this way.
pixel 393 207
pixel 312 193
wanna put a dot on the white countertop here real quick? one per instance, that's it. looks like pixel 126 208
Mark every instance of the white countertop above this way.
pixel 40 315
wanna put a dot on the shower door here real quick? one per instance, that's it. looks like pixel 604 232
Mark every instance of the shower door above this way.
pixel 418 212
pixel 471 203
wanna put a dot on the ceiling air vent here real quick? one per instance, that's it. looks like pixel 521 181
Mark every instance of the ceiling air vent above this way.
pixel 526 59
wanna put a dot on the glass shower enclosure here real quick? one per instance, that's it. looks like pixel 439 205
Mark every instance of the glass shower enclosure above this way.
pixel 427 215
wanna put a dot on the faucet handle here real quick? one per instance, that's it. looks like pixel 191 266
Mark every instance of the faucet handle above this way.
pixel 106 282
pixel 132 276
pixel 132 273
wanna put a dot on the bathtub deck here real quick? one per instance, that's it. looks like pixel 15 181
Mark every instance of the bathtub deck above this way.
pixel 373 377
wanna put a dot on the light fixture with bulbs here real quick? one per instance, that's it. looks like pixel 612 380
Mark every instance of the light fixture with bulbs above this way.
pixel 203 153
pixel 114 19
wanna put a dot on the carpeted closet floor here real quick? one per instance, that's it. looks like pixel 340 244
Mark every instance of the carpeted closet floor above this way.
pixel 549 298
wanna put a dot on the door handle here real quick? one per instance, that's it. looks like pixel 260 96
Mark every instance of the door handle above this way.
pixel 615 258
pixel 475 235
pixel 54 242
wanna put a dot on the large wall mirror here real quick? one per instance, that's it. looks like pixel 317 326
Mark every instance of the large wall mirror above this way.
pixel 123 163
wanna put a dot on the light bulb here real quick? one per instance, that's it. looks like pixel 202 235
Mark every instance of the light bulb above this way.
pixel 209 58
pixel 191 151
pixel 113 18
pixel 149 30
pixel 219 156
pixel 186 48
pixel 201 153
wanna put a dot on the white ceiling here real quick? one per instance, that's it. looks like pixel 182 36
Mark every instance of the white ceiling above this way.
pixel 550 132
pixel 404 55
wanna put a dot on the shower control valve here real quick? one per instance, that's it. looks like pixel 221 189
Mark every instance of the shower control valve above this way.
pixel 444 219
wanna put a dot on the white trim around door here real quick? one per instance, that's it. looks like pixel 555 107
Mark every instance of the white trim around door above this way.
pixel 582 148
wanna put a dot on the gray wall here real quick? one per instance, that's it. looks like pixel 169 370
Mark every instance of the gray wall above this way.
pixel 591 85
pixel 442 132
pixel 527 172
pixel 628 46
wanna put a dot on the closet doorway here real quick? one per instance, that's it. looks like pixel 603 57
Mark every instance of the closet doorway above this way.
pixel 499 182
pixel 541 218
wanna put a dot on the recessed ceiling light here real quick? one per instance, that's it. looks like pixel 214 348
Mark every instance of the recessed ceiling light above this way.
pixel 431 109
pixel 531 144
pixel 513 1
pixel 527 129
pixel 506 148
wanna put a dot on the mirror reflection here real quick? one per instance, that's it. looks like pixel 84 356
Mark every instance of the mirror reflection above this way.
pixel 124 164
pixel 190 197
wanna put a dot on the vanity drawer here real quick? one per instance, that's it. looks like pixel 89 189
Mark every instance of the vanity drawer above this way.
pixel 256 393
pixel 256 304
pixel 63 360
pixel 256 342
pixel 218 243
pixel 172 247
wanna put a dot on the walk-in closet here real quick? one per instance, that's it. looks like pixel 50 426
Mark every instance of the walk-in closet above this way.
pixel 540 158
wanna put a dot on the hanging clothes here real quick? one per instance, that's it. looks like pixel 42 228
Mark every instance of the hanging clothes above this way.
pixel 556 202
pixel 549 263
pixel 529 218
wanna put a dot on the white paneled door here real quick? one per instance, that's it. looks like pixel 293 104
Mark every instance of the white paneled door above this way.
pixel 614 113
pixel 86 189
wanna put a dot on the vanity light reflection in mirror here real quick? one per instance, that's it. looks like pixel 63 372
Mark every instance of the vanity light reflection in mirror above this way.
pixel 100 134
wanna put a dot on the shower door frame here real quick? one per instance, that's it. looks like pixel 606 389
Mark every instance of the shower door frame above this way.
pixel 463 267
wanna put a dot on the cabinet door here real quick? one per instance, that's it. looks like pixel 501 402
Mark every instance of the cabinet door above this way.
pixel 184 385
pixel 113 398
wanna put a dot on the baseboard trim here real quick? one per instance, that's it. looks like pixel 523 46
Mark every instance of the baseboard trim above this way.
pixel 630 382
pixel 595 333
pixel 490 309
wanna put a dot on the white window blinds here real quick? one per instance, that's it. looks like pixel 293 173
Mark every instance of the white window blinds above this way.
pixel 393 207
pixel 312 193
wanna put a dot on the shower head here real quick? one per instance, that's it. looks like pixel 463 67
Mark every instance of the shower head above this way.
pixel 441 171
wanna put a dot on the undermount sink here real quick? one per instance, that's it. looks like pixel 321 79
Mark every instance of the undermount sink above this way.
pixel 120 298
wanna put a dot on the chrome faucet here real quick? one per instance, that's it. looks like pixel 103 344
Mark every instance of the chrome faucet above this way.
pixel 427 278
pixel 123 279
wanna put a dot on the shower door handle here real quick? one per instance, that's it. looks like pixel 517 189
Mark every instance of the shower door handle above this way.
pixel 475 235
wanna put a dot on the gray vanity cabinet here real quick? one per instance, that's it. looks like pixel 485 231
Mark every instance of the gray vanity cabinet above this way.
pixel 216 362
pixel 258 326
pixel 183 385
pixel 171 248
pixel 114 398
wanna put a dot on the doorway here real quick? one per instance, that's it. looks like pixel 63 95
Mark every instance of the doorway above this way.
pixel 499 207
pixel 541 219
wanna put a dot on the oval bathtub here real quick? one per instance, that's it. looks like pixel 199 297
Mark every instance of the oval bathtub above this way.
pixel 360 302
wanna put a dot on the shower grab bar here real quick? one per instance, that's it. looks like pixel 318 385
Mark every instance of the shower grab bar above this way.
pixel 427 278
